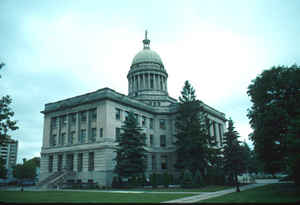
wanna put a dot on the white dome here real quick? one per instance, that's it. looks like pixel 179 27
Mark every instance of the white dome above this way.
pixel 146 55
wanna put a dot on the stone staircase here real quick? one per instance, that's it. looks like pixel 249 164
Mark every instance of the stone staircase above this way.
pixel 56 179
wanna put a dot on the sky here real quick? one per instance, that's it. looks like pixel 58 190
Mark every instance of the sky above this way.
pixel 57 49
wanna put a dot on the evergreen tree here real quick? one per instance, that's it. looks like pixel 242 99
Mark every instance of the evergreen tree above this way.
pixel 3 170
pixel 6 123
pixel 192 136
pixel 233 160
pixel 130 153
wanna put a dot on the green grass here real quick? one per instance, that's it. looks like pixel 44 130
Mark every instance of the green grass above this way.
pixel 211 188
pixel 84 197
pixel 273 193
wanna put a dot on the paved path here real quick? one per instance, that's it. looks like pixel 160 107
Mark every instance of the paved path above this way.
pixel 207 195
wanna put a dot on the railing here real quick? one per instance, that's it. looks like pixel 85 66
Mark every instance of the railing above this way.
pixel 57 178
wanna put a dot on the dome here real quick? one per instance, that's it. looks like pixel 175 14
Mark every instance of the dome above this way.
pixel 146 55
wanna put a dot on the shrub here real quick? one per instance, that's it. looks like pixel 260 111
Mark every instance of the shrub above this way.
pixel 166 179
pixel 198 179
pixel 187 179
pixel 153 180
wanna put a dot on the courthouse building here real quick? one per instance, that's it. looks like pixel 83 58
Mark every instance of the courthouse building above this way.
pixel 79 132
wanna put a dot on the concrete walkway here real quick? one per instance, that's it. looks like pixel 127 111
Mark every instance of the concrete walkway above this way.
pixel 207 195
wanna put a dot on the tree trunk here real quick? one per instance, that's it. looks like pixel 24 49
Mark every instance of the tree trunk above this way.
pixel 236 182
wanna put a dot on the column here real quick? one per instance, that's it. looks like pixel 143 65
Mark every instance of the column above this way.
pixel 77 128
pixel 132 86
pixel 75 162
pixel 138 84
pixel 144 81
pixel 166 84
pixel 149 81
pixel 88 125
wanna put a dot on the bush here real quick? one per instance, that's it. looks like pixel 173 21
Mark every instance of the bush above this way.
pixel 166 179
pixel 187 179
pixel 198 179
pixel 153 180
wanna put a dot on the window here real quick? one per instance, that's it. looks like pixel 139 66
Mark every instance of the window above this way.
pixel 59 162
pixel 93 135
pixel 144 121
pixel 137 118
pixel 64 121
pixel 163 140
pixel 50 164
pixel 71 137
pixel 79 164
pixel 153 163
pixel 91 161
pixel 83 116
pixel 93 115
pixel 164 161
pixel 101 132
pixel 118 114
pixel 151 140
pixel 151 123
pixel 162 124
pixel 62 138
pixel 126 115
pixel 118 131
pixel 215 132
pixel 53 140
pixel 82 136
pixel 73 118
pixel 54 122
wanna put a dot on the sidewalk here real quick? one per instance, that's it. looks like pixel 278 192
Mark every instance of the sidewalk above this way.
pixel 207 195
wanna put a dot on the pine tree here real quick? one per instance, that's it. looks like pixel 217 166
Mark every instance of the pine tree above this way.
pixel 233 154
pixel 191 132
pixel 130 153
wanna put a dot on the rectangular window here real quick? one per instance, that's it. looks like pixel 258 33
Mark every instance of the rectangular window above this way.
pixel 73 119
pixel 82 136
pixel 215 132
pixel 151 140
pixel 153 163
pixel 83 116
pixel 164 161
pixel 162 124
pixel 59 162
pixel 93 135
pixel 79 162
pixel 101 132
pixel 118 133
pixel 54 122
pixel 63 138
pixel 163 140
pixel 53 140
pixel 50 164
pixel 118 114
pixel 64 121
pixel 151 125
pixel 144 121
pixel 91 161
pixel 126 115
pixel 71 137
pixel 137 118
pixel 93 113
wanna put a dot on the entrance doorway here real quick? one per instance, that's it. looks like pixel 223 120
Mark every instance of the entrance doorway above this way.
pixel 70 162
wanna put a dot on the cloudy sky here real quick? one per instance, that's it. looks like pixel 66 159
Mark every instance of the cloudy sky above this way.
pixel 57 49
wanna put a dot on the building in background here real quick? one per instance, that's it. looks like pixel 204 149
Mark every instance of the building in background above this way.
pixel 80 132
pixel 9 153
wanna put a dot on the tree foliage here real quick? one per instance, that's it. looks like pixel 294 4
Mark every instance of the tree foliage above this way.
pixel 275 96
pixel 233 160
pixel 130 152
pixel 3 170
pixel 191 133
pixel 27 170
pixel 6 115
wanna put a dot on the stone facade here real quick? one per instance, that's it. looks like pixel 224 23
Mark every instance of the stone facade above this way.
pixel 80 132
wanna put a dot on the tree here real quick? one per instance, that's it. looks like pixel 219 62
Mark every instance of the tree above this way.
pixel 191 133
pixel 275 97
pixel 233 160
pixel 27 170
pixel 3 170
pixel 293 144
pixel 6 114
pixel 130 152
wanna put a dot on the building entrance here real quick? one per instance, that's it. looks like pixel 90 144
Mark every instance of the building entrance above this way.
pixel 70 162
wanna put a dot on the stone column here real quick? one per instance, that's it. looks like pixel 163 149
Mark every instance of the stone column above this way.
pixel 138 84
pixel 59 132
pixel 132 85
pixel 88 125
pixel 149 81
pixel 75 162
pixel 77 128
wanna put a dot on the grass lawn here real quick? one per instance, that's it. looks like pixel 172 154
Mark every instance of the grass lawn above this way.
pixel 84 197
pixel 211 188
pixel 272 193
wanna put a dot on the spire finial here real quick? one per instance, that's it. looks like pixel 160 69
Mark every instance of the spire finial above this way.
pixel 146 41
